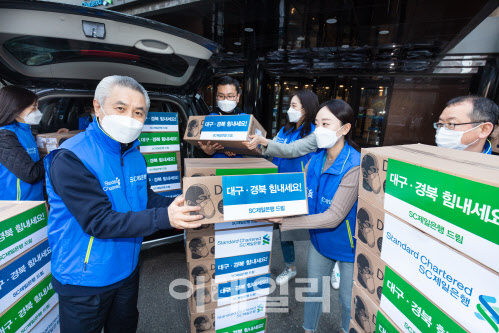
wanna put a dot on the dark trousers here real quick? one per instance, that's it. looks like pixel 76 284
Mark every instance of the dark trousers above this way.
pixel 114 310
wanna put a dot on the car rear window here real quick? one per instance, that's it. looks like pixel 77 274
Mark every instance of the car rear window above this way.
pixel 38 51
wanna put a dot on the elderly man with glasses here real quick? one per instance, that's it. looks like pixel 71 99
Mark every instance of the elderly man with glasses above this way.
pixel 227 99
pixel 466 123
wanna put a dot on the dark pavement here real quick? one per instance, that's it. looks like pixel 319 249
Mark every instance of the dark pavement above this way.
pixel 160 312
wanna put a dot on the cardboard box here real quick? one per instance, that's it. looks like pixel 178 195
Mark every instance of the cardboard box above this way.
pixel 370 223
pixel 354 328
pixel 163 162
pixel 23 273
pixel 229 243
pixel 411 310
pixel 250 197
pixel 213 295
pixel 170 194
pixel 202 167
pixel 27 312
pixel 161 122
pixel 447 278
pixel 449 194
pixel 251 313
pixel 229 131
pixel 494 140
pixel 220 270
pixel 47 142
pixel 161 142
pixel 164 181
pixel 49 323
pixel 364 310
pixel 209 229
pixel 23 224
pixel 369 272
pixel 384 324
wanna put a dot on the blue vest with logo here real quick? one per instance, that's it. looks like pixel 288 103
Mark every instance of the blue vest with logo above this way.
pixel 337 243
pixel 12 187
pixel 78 258
pixel 291 164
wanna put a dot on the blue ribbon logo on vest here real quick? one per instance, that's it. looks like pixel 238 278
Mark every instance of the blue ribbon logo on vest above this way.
pixel 110 185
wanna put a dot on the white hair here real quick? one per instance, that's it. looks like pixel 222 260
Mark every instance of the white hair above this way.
pixel 106 84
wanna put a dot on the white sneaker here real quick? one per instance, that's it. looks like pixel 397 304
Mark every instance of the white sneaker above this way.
pixel 286 275
pixel 335 277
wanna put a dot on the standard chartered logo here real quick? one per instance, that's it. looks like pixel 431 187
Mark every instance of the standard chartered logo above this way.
pixel 110 185
pixel 266 239
pixel 488 312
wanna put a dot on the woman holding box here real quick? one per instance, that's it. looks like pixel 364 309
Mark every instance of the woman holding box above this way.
pixel 301 115
pixel 21 169
pixel 332 182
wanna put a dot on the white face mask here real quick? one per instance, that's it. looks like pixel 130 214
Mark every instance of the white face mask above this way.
pixel 294 115
pixel 33 118
pixel 326 138
pixel 123 129
pixel 226 105
pixel 447 138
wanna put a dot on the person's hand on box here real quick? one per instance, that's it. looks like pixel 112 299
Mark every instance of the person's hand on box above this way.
pixel 209 148
pixel 277 220
pixel 256 140
pixel 230 154
pixel 180 215
pixel 62 130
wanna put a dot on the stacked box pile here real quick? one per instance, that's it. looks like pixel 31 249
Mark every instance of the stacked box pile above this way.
pixel 427 231
pixel 160 145
pixel 229 262
pixel 28 302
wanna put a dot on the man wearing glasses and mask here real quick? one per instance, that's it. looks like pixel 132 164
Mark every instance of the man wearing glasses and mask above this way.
pixel 228 93
pixel 466 124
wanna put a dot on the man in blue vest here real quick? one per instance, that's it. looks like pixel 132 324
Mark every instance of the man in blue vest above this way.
pixel 466 123
pixel 101 207
pixel 228 93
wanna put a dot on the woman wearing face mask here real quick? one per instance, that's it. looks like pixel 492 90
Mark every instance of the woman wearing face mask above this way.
pixel 301 115
pixel 332 182
pixel 21 169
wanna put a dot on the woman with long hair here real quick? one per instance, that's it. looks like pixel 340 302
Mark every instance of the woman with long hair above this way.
pixel 301 116
pixel 332 183
pixel 21 169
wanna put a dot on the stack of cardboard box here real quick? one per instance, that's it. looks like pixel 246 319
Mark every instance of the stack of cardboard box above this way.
pixel 229 262
pixel 160 145
pixel 427 230
pixel 28 302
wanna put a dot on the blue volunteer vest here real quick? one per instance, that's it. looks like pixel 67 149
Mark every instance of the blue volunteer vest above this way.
pixel 78 258
pixel 337 243
pixel 12 187
pixel 291 164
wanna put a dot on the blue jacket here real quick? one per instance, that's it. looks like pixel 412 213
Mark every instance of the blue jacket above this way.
pixel 78 258
pixel 14 188
pixel 291 164
pixel 487 148
pixel 337 243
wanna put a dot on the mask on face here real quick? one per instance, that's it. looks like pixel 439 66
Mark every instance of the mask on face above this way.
pixel 447 138
pixel 226 105
pixel 199 195
pixel 123 129
pixel 294 115
pixel 33 118
pixel 325 137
